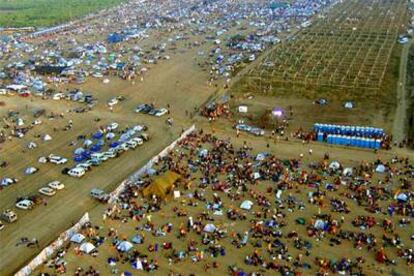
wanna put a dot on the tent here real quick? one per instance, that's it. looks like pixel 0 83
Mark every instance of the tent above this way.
pixel 115 38
pixel 380 168
pixel 402 197
pixel 334 165
pixel 77 238
pixel 246 205
pixel 95 148
pixel 30 170
pixel 161 185
pixel 47 137
pixel 110 135
pixel 347 172
pixel 87 143
pixel 209 228
pixel 97 135
pixel 78 151
pixel 87 247
pixel 124 246
pixel 349 105
pixel 137 265
pixel 32 145
pixel 137 239
pixel 78 158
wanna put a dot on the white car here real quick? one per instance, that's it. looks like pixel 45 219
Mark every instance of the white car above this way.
pixel 160 112
pixel 113 102
pixel 124 146
pixel 77 172
pixel 84 165
pixel 58 96
pixel 112 126
pixel 137 140
pixel 110 154
pixel 57 159
pixel 56 185
pixel 25 204
pixel 47 191
pixel 132 144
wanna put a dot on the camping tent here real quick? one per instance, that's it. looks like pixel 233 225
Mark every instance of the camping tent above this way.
pixel 334 165
pixel 209 228
pixel 380 168
pixel 87 247
pixel 161 185
pixel 246 205
pixel 124 246
pixel 77 238
pixel 47 137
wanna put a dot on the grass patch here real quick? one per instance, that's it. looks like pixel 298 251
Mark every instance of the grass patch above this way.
pixel 42 13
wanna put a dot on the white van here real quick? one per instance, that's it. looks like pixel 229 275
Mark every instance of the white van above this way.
pixel 77 172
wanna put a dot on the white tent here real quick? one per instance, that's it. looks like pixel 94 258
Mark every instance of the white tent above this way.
pixel 124 246
pixel 349 105
pixel 347 172
pixel 209 228
pixel 87 143
pixel 380 168
pixel 77 238
pixel 47 137
pixel 32 145
pixel 246 205
pixel 87 247
pixel 110 135
pixel 334 165
pixel 30 170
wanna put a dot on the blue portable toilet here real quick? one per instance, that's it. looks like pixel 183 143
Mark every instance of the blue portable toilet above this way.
pixel 365 143
pixel 377 144
pixel 353 141
pixel 348 140
pixel 329 139
pixel 320 137
pixel 358 142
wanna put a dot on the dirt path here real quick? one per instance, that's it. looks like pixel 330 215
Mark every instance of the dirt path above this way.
pixel 400 118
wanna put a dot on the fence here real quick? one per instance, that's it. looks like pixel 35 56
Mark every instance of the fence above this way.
pixel 135 176
pixel 45 254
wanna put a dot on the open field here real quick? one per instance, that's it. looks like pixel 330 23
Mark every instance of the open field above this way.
pixel 31 13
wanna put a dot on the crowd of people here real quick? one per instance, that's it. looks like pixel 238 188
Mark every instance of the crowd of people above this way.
pixel 241 211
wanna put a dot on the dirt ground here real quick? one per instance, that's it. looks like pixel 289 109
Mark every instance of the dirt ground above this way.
pixel 348 157
pixel 165 85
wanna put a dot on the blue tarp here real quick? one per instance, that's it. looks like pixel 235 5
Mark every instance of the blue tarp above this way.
pixel 97 135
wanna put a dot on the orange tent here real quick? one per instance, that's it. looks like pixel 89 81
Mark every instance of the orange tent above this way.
pixel 162 185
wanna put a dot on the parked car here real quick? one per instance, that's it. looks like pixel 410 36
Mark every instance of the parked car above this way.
pixel 143 108
pixel 137 140
pixel 77 172
pixel 58 160
pixel 56 185
pixel 25 204
pixel 112 126
pixel 8 216
pixel 131 144
pixel 160 112
pixel 99 194
pixel 47 191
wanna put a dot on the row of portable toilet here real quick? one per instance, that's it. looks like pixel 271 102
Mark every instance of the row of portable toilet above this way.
pixel 352 141
pixel 349 130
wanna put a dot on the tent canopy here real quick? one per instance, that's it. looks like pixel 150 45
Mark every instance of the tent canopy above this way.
pixel 77 238
pixel 246 205
pixel 161 185
pixel 87 247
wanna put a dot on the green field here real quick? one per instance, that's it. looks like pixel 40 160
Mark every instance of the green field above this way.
pixel 41 13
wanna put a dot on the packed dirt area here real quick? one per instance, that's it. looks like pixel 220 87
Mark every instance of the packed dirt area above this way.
pixel 187 67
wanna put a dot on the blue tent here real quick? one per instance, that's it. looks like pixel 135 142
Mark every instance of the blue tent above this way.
pixel 86 154
pixel 114 145
pixel 115 38
pixel 97 135
pixel 95 148
pixel 100 142
pixel 78 151
pixel 78 158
